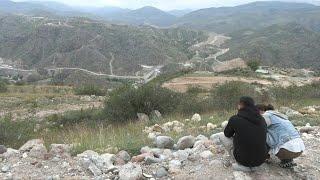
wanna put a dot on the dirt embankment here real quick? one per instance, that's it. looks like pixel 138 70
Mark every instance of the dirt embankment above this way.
pixel 181 84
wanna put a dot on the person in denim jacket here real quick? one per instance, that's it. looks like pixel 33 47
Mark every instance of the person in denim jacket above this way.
pixel 283 139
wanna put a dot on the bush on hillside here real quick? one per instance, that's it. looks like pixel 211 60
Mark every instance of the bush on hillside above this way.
pixel 88 116
pixel 124 103
pixel 89 90
pixel 293 92
pixel 226 96
pixel 16 133
pixel 3 86
pixel 253 64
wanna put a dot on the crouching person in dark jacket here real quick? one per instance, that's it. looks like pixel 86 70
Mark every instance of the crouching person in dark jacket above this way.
pixel 248 132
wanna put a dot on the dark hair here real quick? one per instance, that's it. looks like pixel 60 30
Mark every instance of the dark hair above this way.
pixel 263 107
pixel 247 101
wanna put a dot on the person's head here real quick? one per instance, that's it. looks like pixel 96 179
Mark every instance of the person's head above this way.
pixel 245 101
pixel 263 108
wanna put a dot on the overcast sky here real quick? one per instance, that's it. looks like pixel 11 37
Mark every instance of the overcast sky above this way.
pixel 161 4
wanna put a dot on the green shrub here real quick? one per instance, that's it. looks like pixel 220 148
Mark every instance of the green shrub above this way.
pixel 3 86
pixel 226 96
pixel 89 90
pixel 88 116
pixel 294 93
pixel 124 103
pixel 253 64
pixel 16 133
pixel 195 90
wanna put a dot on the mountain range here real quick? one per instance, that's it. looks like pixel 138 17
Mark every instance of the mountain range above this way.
pixel 275 33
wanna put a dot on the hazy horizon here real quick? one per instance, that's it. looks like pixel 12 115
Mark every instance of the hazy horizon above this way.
pixel 162 4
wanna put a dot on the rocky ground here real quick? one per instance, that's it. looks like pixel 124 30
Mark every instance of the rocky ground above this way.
pixel 190 157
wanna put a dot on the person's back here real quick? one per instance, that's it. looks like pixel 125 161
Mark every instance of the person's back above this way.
pixel 280 129
pixel 248 130
pixel 282 137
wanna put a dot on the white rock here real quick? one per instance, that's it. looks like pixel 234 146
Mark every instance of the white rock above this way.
pixel 10 153
pixel 24 155
pixel 5 168
pixel 238 175
pixel 94 170
pixel 206 155
pixel 124 155
pixel 143 117
pixel 186 142
pixel 38 151
pixel 196 118
pixel 216 138
pixel 30 144
pixel 224 124
pixel 182 155
pixel 174 165
pixel 145 149
pixel 130 171
pixel 289 112
pixel 201 138
pixel 152 136
pixel 61 150
pixel 164 142
pixel 161 172
pixel 211 126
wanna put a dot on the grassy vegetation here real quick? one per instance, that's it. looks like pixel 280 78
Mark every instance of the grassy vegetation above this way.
pixel 89 90
pixel 93 129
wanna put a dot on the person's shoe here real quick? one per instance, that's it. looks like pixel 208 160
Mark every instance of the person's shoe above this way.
pixel 288 163
pixel 239 167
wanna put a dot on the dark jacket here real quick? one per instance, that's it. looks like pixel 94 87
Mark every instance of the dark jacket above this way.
pixel 248 130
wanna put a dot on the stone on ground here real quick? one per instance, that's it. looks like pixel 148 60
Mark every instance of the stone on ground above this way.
pixel 130 171
pixel 143 117
pixel 30 144
pixel 186 142
pixel 38 151
pixel 161 172
pixel 60 150
pixel 196 118
pixel 206 155
pixel 164 142
pixel 3 149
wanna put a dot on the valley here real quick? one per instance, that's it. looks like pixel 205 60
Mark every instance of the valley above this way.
pixel 142 93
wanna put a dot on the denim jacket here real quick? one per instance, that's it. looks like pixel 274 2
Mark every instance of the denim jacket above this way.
pixel 280 129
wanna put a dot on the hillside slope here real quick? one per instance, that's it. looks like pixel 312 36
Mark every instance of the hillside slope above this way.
pixel 254 15
pixel 77 42
pixel 290 45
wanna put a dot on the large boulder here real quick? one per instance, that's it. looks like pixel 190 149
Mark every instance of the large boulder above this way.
pixel 206 155
pixel 11 153
pixel 196 118
pixel 3 149
pixel 307 129
pixel 30 144
pixel 186 142
pixel 289 112
pixel 38 151
pixel 130 171
pixel 224 124
pixel 164 142
pixel 161 172
pixel 211 126
pixel 143 117
pixel 60 150
pixel 122 157
pixel 92 161
pixel 141 157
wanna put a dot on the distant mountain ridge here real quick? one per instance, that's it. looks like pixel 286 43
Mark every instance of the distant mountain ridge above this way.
pixel 34 42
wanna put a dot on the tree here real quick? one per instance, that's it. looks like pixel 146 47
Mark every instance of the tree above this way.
pixel 253 64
